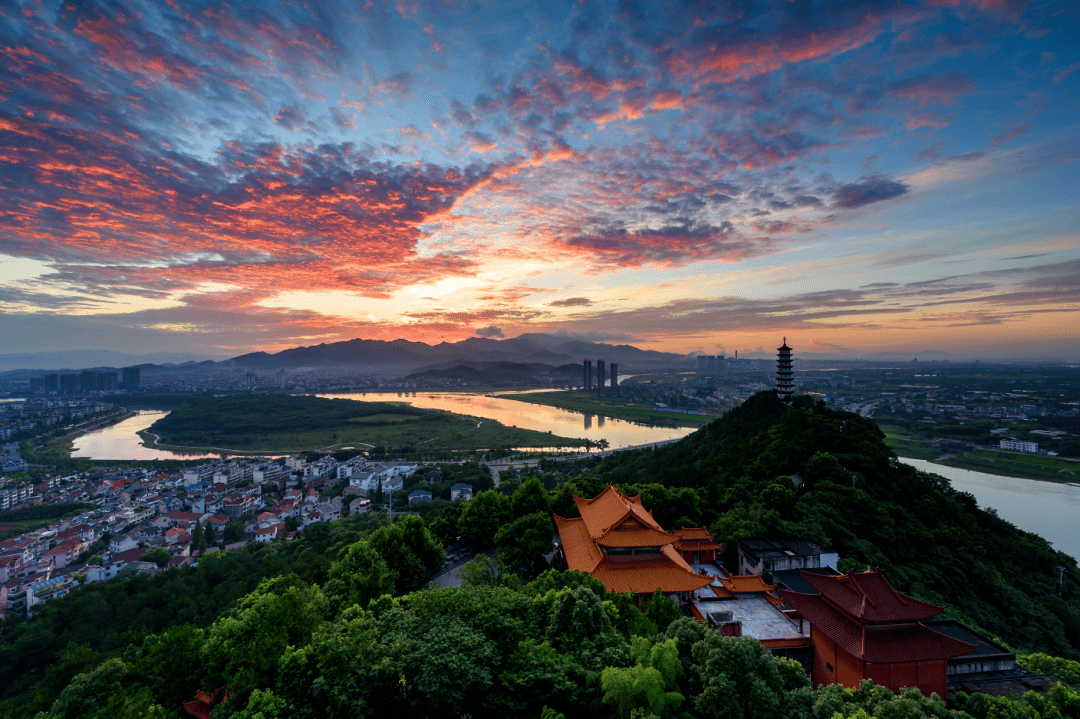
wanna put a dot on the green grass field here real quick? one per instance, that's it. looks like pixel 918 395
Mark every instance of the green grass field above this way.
pixel 1009 464
pixel 614 407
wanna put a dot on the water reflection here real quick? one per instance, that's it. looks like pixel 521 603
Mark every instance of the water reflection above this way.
pixel 1045 508
pixel 562 422
pixel 121 441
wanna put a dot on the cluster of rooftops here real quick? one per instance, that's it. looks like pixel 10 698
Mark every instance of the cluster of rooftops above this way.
pixel 790 596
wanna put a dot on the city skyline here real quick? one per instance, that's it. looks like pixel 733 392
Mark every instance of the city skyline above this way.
pixel 868 178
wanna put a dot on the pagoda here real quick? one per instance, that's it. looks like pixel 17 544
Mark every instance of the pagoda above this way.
pixel 862 628
pixel 785 385
pixel 617 541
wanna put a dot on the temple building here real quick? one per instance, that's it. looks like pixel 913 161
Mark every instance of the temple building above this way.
pixel 696 545
pixel 862 628
pixel 617 541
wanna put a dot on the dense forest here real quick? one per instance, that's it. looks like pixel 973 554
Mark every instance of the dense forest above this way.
pixel 332 624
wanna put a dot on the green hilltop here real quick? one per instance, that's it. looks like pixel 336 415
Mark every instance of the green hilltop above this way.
pixel 933 541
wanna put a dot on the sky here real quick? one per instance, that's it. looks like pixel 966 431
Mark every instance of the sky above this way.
pixel 858 177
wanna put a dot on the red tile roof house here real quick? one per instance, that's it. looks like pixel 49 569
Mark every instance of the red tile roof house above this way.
pixel 268 534
pixel 177 536
pixel 121 561
pixel 65 553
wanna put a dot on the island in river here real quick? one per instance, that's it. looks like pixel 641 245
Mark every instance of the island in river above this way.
pixel 289 423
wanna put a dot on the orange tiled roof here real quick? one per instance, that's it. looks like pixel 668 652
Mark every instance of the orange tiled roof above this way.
pixel 616 520
pixel 646 576
pixel 721 592
pixel 582 553
pixel 695 538
pixel 603 523
pixel 746 583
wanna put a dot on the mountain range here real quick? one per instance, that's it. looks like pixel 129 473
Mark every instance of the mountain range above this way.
pixel 395 357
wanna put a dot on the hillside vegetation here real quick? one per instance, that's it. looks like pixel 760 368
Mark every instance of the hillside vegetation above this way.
pixel 332 625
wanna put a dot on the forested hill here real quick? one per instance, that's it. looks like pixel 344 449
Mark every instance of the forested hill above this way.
pixel 933 541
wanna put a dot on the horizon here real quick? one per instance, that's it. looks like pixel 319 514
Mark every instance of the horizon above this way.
pixel 84 359
pixel 870 179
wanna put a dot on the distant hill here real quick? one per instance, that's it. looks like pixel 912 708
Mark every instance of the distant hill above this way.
pixel 403 356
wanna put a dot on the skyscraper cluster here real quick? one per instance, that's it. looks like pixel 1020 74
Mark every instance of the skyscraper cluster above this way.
pixel 87 381
pixel 601 376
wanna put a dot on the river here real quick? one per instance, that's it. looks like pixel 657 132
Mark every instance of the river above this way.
pixel 561 422
pixel 120 440
pixel 1048 509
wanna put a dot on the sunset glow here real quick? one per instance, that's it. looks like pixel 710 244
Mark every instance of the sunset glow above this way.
pixel 863 177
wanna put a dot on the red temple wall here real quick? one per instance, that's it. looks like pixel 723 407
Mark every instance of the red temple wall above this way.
pixel 933 678
pixel 849 670
pixel 824 666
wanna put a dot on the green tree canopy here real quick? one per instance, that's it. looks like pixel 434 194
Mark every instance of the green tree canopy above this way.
pixel 522 544
pixel 529 498
pixel 158 555
pixel 482 516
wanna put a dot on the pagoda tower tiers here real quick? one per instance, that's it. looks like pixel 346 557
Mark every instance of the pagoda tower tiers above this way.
pixel 785 384
pixel 862 628
pixel 617 541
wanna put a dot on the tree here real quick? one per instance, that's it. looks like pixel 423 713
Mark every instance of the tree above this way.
pixel 530 497
pixel 740 680
pixel 380 498
pixel 95 560
pixel 522 544
pixel 242 650
pixel 409 550
pixel 554 580
pixel 360 576
pixel 198 538
pixel 482 517
pixel 211 535
pixel 234 531
pixel 577 615
pixel 158 555
pixel 661 610
pixel 483 571
pixel 649 684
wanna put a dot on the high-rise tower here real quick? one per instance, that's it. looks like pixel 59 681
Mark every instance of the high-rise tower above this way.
pixel 785 385
pixel 587 375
